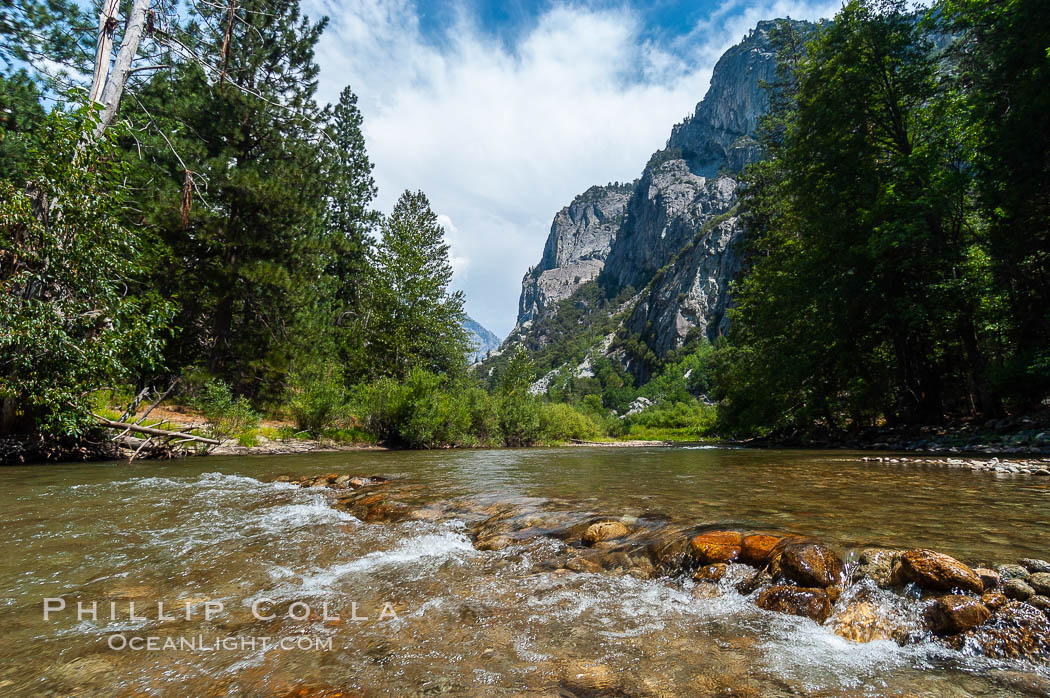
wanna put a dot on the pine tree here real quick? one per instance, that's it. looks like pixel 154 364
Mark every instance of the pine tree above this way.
pixel 232 180
pixel 412 318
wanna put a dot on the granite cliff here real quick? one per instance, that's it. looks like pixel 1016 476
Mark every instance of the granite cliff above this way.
pixel 663 246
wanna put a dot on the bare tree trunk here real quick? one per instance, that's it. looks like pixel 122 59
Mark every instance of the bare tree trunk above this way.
pixel 113 89
pixel 107 22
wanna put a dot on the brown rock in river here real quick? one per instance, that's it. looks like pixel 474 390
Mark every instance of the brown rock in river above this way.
pixel 811 565
pixel 994 600
pixel 711 573
pixel 716 546
pixel 953 614
pixel 990 578
pixel 1041 602
pixel 602 531
pixel 756 548
pixel 796 601
pixel 1016 631
pixel 932 570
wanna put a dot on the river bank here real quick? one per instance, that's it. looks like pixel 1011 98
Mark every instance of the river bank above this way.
pixel 1009 436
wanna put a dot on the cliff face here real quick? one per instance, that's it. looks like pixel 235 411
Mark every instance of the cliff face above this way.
pixel 581 236
pixel 671 236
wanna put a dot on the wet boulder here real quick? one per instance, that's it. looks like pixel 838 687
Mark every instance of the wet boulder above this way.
pixel 603 531
pixel 989 578
pixel 669 552
pixel 1040 581
pixel 812 565
pixel 754 581
pixel 1016 631
pixel 994 600
pixel 952 614
pixel 877 565
pixel 716 546
pixel 1018 589
pixel 1012 572
pixel 1041 602
pixel 933 570
pixel 1034 566
pixel 756 549
pixel 711 573
pixel 796 601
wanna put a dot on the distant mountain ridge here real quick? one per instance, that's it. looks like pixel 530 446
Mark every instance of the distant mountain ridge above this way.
pixel 482 340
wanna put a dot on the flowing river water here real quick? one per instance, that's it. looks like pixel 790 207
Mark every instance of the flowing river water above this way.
pixel 421 611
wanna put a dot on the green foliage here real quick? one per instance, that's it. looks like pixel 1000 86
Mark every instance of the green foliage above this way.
pixel 317 396
pixel 237 185
pixel 425 410
pixel 227 416
pixel 413 321
pixel 71 320
pixel 679 421
pixel 20 114
pixel 1003 67
pixel 866 295
pixel 561 422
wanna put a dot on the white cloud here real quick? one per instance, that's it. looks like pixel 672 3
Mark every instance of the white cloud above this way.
pixel 502 136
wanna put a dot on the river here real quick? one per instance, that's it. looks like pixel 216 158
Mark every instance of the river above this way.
pixel 412 608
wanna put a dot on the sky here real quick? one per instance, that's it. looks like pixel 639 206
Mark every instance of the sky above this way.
pixel 503 111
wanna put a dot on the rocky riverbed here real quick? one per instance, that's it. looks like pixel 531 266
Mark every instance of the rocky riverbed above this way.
pixel 996 609
pixel 1018 466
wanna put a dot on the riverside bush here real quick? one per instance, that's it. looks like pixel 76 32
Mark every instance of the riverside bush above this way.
pixel 316 397
pixel 226 416
pixel 683 419
pixel 429 410
pixel 561 422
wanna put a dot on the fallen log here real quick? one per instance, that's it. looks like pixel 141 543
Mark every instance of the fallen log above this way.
pixel 154 432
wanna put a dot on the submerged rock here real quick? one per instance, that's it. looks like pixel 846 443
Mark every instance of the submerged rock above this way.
pixel 716 546
pixel 812 565
pixel 953 614
pixel 933 570
pixel 797 601
pixel 603 531
pixel 589 678
pixel 756 580
pixel 865 621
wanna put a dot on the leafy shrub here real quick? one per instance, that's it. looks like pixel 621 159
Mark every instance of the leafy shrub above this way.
pixel 316 397
pixel 692 419
pixel 226 416
pixel 560 422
